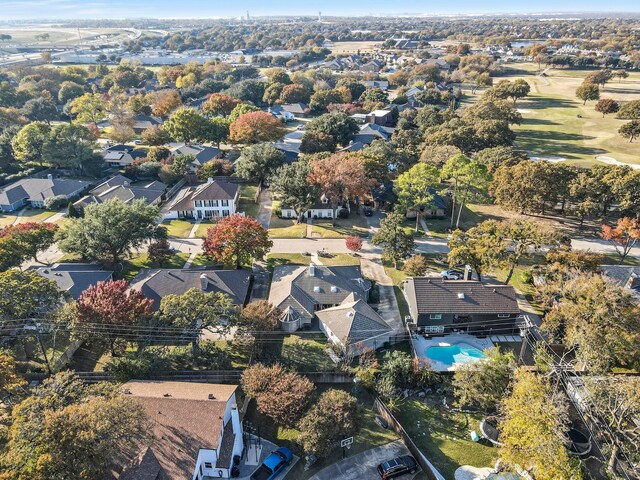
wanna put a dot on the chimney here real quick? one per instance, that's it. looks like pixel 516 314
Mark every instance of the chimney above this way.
pixel 312 270
pixel 49 176
pixel 204 282
pixel 210 180
pixel 468 272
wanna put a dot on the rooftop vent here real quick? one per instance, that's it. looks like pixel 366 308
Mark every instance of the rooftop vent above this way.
pixel 166 395
pixel 211 396
pixel 350 314
pixel 204 282
pixel 126 391
pixel 334 289
pixel 461 295
pixel 312 270
pixel 316 289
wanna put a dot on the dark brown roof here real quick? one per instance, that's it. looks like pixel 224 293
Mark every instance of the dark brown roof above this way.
pixel 435 295
pixel 146 467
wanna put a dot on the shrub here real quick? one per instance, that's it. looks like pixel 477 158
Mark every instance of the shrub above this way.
pixel 55 203
pixel 137 365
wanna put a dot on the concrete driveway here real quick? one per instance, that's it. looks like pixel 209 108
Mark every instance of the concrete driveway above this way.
pixel 363 465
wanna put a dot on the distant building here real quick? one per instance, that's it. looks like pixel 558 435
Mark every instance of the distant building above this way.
pixel 35 191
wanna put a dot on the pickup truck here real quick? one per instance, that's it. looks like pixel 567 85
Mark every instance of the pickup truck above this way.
pixel 273 465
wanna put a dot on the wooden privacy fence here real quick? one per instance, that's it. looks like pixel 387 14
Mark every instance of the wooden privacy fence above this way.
pixel 429 470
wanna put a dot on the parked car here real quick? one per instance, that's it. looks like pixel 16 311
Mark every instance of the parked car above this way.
pixel 302 126
pixel 452 274
pixel 368 211
pixel 273 465
pixel 397 467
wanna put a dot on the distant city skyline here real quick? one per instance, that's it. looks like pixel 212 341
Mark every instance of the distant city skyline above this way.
pixel 90 9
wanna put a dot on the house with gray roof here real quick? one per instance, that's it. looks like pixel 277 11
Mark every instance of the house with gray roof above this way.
pixel 624 276
pixel 141 122
pixel 122 188
pixel 307 289
pixel 370 132
pixel 203 153
pixel 215 199
pixel 34 191
pixel 354 326
pixel 158 283
pixel 443 306
pixel 75 278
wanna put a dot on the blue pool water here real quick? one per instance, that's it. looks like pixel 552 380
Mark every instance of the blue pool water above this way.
pixel 458 353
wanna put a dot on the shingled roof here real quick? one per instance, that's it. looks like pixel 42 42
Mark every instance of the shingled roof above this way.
pixel 212 190
pixel 435 295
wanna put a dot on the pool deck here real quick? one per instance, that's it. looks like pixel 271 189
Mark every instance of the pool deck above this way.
pixel 420 345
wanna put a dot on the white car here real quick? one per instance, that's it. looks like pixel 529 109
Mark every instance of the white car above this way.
pixel 452 274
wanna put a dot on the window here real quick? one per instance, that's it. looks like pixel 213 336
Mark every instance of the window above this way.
pixel 225 213
pixel 434 329
pixel 208 465
pixel 214 203
pixel 503 315
pixel 435 316
pixel 225 203
pixel 198 203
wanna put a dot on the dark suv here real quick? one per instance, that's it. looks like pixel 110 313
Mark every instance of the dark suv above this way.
pixel 398 466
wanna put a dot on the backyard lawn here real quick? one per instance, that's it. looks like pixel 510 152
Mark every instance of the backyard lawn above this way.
pixel 247 203
pixel 344 227
pixel 444 436
pixel 371 435
pixel 178 228
pixel 304 352
pixel 276 259
pixel 133 265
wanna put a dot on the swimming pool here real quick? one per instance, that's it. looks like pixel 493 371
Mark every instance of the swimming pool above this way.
pixel 452 354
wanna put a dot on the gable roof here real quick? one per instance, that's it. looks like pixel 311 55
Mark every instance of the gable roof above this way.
pixel 156 284
pixel 304 287
pixel 39 189
pixel 74 278
pixel 216 189
pixel 145 121
pixel 428 295
pixel 203 153
pixel 120 187
pixel 353 321
pixel 624 276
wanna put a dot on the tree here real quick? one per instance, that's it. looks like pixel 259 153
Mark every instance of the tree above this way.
pixel 181 164
pixel 31 237
pixel 122 128
pixel 155 136
pixel 184 125
pixel 336 415
pixel 281 395
pixel 69 91
pixel 373 95
pixel 620 74
pixel 321 99
pixel 257 320
pixel 259 162
pixel 414 188
pixel 236 240
pixel 416 266
pixel 165 101
pixel 485 383
pixel 67 429
pixel 110 230
pixel 272 93
pixel 89 108
pixel 158 154
pixel 113 307
pixel 214 130
pixel 10 254
pixel 588 91
pixel 241 109
pixel 316 142
pixel 294 93
pixel 73 146
pixel 10 379
pixel 40 109
pixel 585 191
pixel 596 318
pixel 606 105
pixel 353 243
pixel 27 295
pixel 196 310
pixel 256 127
pixel 28 144
pixel 215 168
pixel 524 237
pixel 340 177
pixel 524 187
pixel 396 243
pixel 290 184
pixel 247 90
pixel 624 236
pixel 630 110
pixel 616 402
pixel 337 124
pixel 630 130
pixel 533 429
pixel 159 252
pixel 220 104
pixel 480 247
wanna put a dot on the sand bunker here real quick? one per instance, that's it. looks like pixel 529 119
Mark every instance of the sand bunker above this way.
pixel 613 161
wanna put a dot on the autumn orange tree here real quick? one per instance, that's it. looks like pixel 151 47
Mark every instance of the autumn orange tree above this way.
pixel 353 243
pixel 341 177
pixel 110 308
pixel 624 236
pixel 236 240
pixel 31 238
pixel 220 104
pixel 254 127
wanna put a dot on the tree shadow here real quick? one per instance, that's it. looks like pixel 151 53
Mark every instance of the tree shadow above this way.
pixel 538 121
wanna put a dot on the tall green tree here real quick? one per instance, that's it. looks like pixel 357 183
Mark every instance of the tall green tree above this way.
pixel 396 243
pixel 414 188
pixel 73 146
pixel 28 145
pixel 337 124
pixel 259 162
pixel 184 125
pixel 470 180
pixel 111 230
pixel 289 183
pixel 27 295
pixel 480 247
pixel 89 108
pixel 524 237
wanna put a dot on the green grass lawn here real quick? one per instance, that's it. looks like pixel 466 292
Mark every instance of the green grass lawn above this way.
pixel 443 436
pixel 285 227
pixel 247 203
pixel 201 231
pixel 35 215
pixel 178 228
pixel 371 435
pixel 7 219
pixel 201 261
pixel 304 352
pixel 133 265
pixel 277 259
pixel 344 227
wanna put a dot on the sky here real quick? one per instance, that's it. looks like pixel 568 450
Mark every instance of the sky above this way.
pixel 74 9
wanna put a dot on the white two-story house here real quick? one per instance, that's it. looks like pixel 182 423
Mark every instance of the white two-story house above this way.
pixel 215 199
pixel 195 430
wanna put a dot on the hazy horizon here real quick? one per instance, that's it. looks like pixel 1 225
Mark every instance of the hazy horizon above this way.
pixel 165 9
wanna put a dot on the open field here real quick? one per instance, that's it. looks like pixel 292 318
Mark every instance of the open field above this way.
pixel 556 125
pixel 353 47
pixel 57 35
